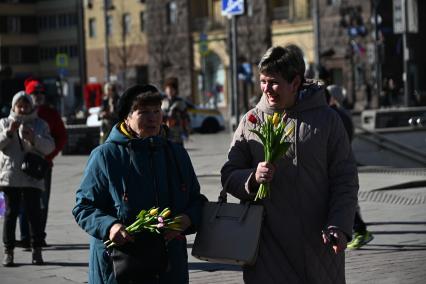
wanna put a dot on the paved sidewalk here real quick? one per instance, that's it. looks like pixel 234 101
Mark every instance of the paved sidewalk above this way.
pixel 397 218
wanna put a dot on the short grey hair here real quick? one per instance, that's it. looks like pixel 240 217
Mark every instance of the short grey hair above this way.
pixel 286 61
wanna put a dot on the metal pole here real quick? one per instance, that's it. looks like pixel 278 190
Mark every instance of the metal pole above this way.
pixel 81 45
pixel 352 61
pixel 230 85
pixel 106 48
pixel 234 70
pixel 316 18
pixel 405 54
pixel 204 70
pixel 377 46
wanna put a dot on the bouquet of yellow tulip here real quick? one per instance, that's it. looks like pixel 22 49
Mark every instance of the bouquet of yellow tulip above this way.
pixel 273 134
pixel 153 221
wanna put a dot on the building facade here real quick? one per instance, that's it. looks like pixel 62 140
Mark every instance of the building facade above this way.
pixel 115 40
pixel 41 39
pixel 346 47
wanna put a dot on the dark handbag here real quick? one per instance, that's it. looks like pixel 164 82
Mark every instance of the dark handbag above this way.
pixel 142 259
pixel 34 165
pixel 229 232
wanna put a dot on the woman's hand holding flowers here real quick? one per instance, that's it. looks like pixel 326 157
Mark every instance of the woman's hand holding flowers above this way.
pixel 119 235
pixel 264 172
pixel 273 134
pixel 184 224
pixel 151 220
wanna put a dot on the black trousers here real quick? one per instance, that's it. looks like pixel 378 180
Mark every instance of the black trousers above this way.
pixel 359 225
pixel 30 198
pixel 45 197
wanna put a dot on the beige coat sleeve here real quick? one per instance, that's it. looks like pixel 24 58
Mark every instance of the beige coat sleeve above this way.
pixel 237 170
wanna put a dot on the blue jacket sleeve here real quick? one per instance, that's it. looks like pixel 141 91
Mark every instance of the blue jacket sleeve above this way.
pixel 94 210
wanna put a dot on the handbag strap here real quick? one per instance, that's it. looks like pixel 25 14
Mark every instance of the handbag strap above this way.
pixel 20 141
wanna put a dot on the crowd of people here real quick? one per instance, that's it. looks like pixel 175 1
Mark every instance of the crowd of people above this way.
pixel 142 164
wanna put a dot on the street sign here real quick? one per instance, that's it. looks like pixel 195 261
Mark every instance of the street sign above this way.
pixel 232 7
pixel 203 45
pixel 62 60
pixel 399 23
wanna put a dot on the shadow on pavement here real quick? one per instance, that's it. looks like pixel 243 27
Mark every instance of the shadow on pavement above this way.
pixel 67 247
pixel 207 266
pixel 66 264
pixel 392 248
pixel 395 223
pixel 53 263
pixel 397 232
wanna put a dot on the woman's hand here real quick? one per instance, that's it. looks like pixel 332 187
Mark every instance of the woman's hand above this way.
pixel 264 172
pixel 28 134
pixel 185 222
pixel 14 125
pixel 119 235
pixel 336 238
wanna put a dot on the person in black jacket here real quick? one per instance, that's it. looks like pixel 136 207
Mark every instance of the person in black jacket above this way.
pixel 335 97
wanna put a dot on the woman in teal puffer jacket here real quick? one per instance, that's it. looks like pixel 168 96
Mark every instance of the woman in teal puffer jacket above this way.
pixel 137 169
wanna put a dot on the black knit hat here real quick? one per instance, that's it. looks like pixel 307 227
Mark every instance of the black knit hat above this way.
pixel 126 100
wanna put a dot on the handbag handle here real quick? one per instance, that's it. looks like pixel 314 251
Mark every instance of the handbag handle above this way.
pixel 240 219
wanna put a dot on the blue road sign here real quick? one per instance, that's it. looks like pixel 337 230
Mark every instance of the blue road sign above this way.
pixel 232 7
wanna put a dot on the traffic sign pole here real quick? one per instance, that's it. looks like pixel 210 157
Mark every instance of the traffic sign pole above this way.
pixel 234 41
pixel 232 8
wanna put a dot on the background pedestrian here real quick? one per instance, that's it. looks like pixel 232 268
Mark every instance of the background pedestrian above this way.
pixel 20 133
pixel 36 90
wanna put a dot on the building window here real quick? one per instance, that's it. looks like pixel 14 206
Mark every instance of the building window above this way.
pixel 52 23
pixel 142 21
pixel 13 24
pixel 73 51
pixel 62 20
pixel 92 27
pixel 15 55
pixel 127 23
pixel 281 9
pixel 109 25
pixel 72 19
pixel 89 4
pixel 42 22
pixel 171 13
pixel 109 4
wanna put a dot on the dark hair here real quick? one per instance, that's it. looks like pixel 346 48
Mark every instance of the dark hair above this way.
pixel 136 96
pixel 172 82
pixel 146 99
pixel 286 61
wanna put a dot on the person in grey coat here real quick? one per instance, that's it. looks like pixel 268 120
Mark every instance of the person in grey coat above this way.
pixel 314 186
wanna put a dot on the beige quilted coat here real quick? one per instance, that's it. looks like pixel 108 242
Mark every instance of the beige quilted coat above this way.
pixel 315 186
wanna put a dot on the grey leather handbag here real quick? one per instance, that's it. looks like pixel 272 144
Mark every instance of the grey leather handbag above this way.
pixel 229 232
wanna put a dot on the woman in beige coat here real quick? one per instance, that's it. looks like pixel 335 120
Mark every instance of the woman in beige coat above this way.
pixel 313 187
